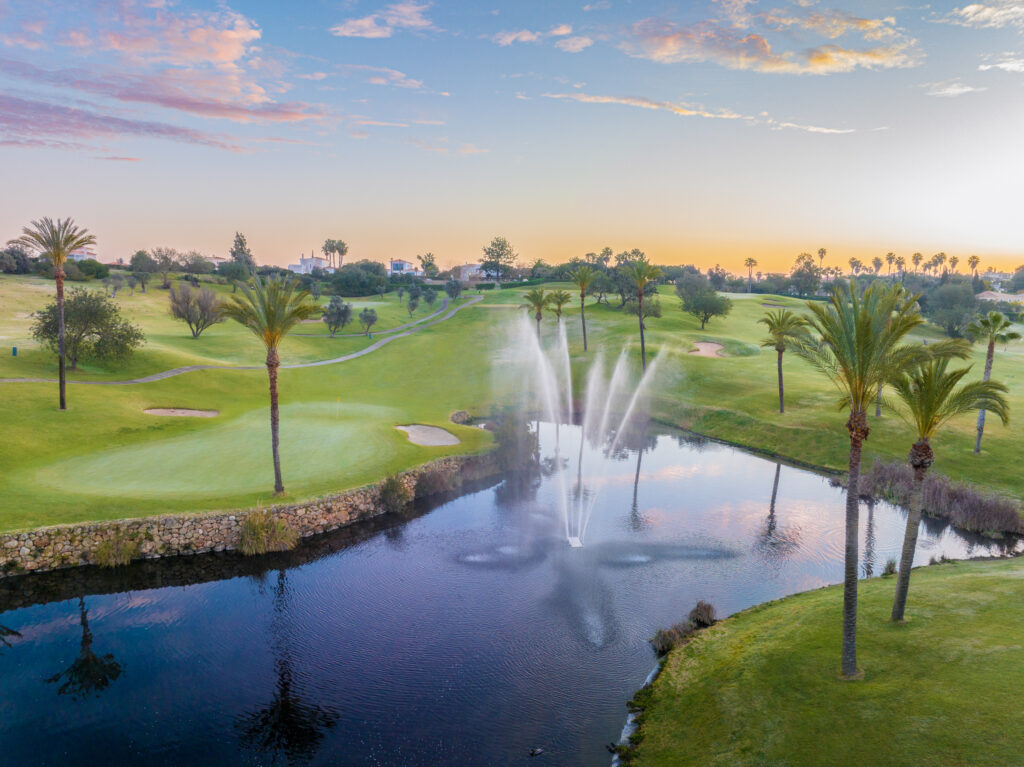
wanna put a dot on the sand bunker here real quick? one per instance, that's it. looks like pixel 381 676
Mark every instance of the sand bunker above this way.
pixel 430 436
pixel 706 349
pixel 182 412
pixel 773 306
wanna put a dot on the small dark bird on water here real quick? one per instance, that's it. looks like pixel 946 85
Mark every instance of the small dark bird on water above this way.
pixel 536 751
pixel 612 746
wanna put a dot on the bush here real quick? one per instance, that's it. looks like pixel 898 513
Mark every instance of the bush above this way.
pixel 666 640
pixel 433 482
pixel 890 568
pixel 263 532
pixel 963 505
pixel 485 286
pixel 703 614
pixel 394 495
pixel 119 549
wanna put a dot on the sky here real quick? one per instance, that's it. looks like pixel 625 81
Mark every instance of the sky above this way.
pixel 699 132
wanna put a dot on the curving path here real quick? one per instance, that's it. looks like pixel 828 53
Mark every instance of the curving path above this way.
pixel 408 329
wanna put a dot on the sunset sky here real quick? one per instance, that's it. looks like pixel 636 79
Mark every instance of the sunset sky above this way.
pixel 699 132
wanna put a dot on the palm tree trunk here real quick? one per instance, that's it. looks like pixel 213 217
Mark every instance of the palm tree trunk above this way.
pixel 878 402
pixel 858 428
pixel 538 325
pixel 782 401
pixel 640 315
pixel 988 374
pixel 583 316
pixel 58 275
pixel 899 604
pixel 275 418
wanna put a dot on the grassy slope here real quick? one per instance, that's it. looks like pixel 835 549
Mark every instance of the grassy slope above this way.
pixel 105 458
pixel 763 688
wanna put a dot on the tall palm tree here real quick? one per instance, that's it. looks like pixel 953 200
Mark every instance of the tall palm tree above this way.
pixel 783 327
pixel 270 308
pixel 821 256
pixel 858 344
pixel 972 263
pixel 916 259
pixel 56 240
pixel 876 264
pixel 992 328
pixel 932 395
pixel 642 273
pixel 890 259
pixel 750 263
pixel 583 276
pixel 940 262
pixel 953 261
pixel 537 301
pixel 901 264
pixel 557 300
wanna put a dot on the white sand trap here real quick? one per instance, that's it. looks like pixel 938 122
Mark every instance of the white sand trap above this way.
pixel 182 412
pixel 429 436
pixel 706 349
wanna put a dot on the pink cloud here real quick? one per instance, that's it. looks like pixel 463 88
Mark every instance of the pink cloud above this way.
pixel 408 15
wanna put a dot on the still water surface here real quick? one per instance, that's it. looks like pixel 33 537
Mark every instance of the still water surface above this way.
pixel 467 634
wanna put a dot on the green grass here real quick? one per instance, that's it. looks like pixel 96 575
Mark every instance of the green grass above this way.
pixel 763 687
pixel 106 459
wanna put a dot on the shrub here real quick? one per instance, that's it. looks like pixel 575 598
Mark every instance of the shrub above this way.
pixel 119 549
pixel 263 532
pixel 433 482
pixel 668 639
pixel 890 568
pixel 394 495
pixel 703 614
pixel 963 505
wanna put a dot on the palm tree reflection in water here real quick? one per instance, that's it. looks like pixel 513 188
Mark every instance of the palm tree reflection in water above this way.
pixel 89 673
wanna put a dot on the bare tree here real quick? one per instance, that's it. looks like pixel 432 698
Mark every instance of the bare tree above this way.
pixel 199 309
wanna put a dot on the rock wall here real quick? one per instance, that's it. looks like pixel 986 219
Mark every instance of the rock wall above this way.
pixel 59 546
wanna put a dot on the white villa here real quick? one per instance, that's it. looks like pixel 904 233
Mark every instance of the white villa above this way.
pixel 82 254
pixel 992 295
pixel 400 267
pixel 307 265
pixel 470 272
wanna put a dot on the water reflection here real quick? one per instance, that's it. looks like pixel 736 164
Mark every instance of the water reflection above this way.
pixel 89 674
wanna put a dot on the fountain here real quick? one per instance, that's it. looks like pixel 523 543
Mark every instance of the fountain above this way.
pixel 609 405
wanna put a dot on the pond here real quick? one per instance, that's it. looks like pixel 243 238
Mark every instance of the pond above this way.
pixel 467 633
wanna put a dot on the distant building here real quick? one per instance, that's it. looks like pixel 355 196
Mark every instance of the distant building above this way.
pixel 400 268
pixel 216 261
pixel 307 265
pixel 470 272
pixel 82 254
pixel 997 297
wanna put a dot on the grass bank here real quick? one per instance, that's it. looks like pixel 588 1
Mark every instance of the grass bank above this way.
pixel 763 687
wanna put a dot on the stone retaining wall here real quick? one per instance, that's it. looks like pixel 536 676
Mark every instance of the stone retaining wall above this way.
pixel 60 546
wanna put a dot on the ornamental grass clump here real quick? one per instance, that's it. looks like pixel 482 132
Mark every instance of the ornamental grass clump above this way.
pixel 394 495
pixel 262 532
pixel 703 614
pixel 700 617
pixel 119 549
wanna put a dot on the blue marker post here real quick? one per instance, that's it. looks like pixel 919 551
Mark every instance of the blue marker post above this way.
pixel 14 351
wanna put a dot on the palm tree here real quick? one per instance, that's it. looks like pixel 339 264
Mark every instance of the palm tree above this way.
pixel 821 256
pixel 56 240
pixel 583 276
pixel 901 264
pixel 890 258
pixel 972 262
pixel 642 273
pixel 270 308
pixel 854 266
pixel 558 299
pixel 940 262
pixel 993 328
pixel 953 261
pixel 916 259
pixel 933 395
pixel 857 347
pixel 537 301
pixel 876 264
pixel 750 263
pixel 783 326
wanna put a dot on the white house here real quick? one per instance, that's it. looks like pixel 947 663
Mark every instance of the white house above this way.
pixel 400 267
pixel 992 295
pixel 307 265
pixel 468 272
pixel 82 254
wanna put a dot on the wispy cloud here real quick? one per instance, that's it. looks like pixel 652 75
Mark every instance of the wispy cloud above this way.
pixel 519 36
pixel 114 158
pixel 600 5
pixel 441 147
pixel 739 40
pixel 691 110
pixel 385 76
pixel 574 44
pixel 949 88
pixel 1006 13
pixel 505 38
pixel 28 122
pixel 383 23
pixel 1008 64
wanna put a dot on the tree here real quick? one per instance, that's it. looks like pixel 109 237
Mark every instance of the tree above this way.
pixel 234 272
pixel 241 254
pixel 412 305
pixel 972 263
pixel 316 289
pixel 429 295
pixel 92 329
pixel 992 328
pixel 428 264
pixel 401 293
pixel 932 395
pixel 499 257
pixel 1017 281
pixel 453 288
pixel 901 264
pixel 783 327
pixel 360 278
pixel 916 260
pixel 166 261
pixel 132 281
pixel 367 318
pixel 953 262
pixel 951 306
pixel 54 241
pixel 337 315
pixel 270 308
pixel 537 301
pixel 890 259
pixel 90 673
pixel 876 264
pixel 199 309
pixel 142 265
pixel 195 263
pixel 601 287
pixel 583 277
pixel 651 309
pixel 806 277
pixel 16 260
pixel 642 274
pixel 750 263
pixel 415 292
pixel 821 257
pixel 701 300
pixel 858 345
pixel 558 299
